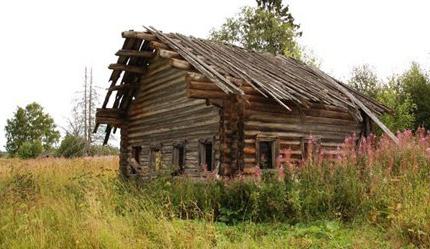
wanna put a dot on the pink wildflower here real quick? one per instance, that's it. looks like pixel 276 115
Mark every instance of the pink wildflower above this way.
pixel 257 173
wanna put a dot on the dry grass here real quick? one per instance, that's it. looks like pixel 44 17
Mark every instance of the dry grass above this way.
pixel 80 203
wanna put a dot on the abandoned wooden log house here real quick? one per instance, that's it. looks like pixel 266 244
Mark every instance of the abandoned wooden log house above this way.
pixel 183 102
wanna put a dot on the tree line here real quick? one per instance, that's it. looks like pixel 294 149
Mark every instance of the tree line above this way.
pixel 270 27
pixel 406 94
pixel 267 27
pixel 31 132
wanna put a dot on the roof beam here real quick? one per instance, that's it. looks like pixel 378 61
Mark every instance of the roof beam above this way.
pixel 127 68
pixel 134 53
pixel 139 35
pixel 123 86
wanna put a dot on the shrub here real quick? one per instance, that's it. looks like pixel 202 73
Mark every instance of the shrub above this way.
pixel 71 146
pixel 30 150
pixel 101 150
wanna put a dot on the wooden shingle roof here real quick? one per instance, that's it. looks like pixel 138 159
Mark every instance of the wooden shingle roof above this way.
pixel 283 79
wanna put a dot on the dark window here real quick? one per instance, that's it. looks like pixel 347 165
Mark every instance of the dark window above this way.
pixel 136 150
pixel 265 156
pixel 206 155
pixel 179 156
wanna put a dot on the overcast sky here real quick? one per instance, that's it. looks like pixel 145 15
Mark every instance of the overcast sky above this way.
pixel 45 45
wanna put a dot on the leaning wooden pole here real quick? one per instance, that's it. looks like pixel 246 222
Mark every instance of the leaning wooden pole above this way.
pixel 360 104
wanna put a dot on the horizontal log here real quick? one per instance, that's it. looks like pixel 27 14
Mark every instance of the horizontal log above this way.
pixel 199 85
pixel 158 45
pixel 180 64
pixel 168 54
pixel 127 68
pixel 249 150
pixel 109 116
pixel 139 35
pixel 135 53
pixel 200 77
pixel 123 86
pixel 205 94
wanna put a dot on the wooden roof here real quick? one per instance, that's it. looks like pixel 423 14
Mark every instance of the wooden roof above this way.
pixel 229 67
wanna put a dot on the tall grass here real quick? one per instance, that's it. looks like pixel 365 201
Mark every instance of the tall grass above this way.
pixel 371 195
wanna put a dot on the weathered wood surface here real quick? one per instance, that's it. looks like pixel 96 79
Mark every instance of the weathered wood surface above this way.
pixel 175 88
pixel 163 114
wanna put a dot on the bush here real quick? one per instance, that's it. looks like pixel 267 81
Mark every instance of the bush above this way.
pixel 71 146
pixel 103 150
pixel 30 150
pixel 376 181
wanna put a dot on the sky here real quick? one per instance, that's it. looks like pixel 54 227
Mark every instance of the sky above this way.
pixel 45 44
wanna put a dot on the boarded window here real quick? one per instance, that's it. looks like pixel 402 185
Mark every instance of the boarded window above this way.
pixel 179 156
pixel 206 155
pixel 136 151
pixel 156 158
pixel 311 148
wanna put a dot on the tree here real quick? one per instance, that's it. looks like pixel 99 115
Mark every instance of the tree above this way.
pixel 392 96
pixel 365 80
pixel 82 120
pixel 270 27
pixel 27 129
pixel 416 83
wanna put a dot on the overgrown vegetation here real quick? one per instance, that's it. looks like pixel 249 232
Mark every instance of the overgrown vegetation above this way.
pixel 405 94
pixel 30 132
pixel 76 146
pixel 269 27
pixel 377 196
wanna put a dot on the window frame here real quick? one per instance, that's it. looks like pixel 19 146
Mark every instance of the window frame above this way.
pixel 274 148
pixel 177 146
pixel 305 143
pixel 154 148
pixel 136 152
pixel 202 152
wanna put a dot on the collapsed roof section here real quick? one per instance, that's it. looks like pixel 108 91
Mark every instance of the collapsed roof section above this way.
pixel 230 68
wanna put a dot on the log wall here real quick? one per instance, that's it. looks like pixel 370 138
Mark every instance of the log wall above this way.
pixel 162 115
pixel 291 129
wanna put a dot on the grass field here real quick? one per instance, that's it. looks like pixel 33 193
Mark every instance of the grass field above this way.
pixel 81 203
pixel 56 203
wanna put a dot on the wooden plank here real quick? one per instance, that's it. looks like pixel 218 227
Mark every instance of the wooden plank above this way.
pixel 135 53
pixel 128 68
pixel 139 35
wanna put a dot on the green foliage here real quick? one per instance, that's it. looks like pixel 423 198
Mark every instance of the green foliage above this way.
pixel 71 146
pixel 400 103
pixel 269 27
pixel 30 127
pixel 85 205
pixel 30 150
pixel 75 146
pixel 365 80
pixel 392 94
pixel 102 150
pixel 416 84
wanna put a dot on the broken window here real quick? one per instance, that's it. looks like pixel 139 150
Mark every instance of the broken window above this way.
pixel 206 155
pixel 267 150
pixel 136 151
pixel 179 156
pixel 266 155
